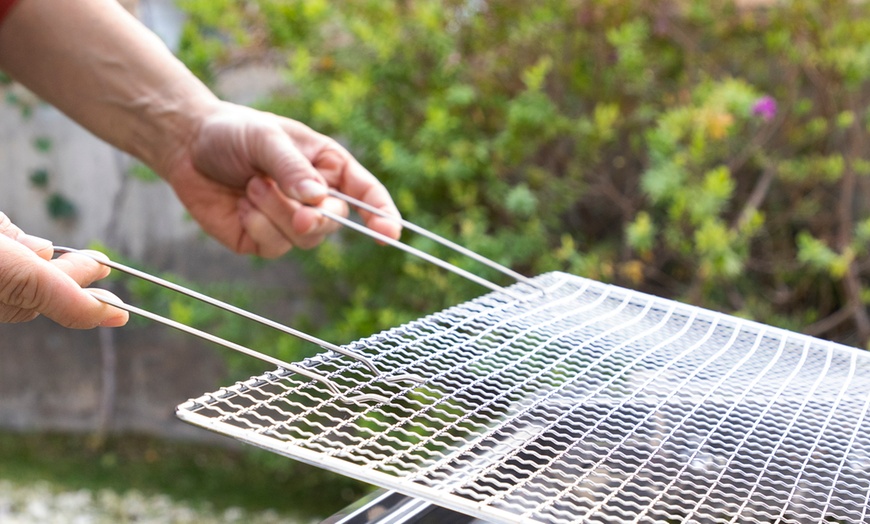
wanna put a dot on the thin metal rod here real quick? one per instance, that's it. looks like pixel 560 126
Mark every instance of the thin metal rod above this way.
pixel 362 397
pixel 217 340
pixel 226 307
pixel 436 237
pixel 416 252
pixel 241 312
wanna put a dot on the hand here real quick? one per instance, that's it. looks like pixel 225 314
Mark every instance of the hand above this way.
pixel 248 178
pixel 31 283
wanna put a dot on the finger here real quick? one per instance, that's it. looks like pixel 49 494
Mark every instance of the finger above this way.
pixel 14 315
pixel 117 320
pixel 290 217
pixel 342 171
pixel 268 241
pixel 309 221
pixel 302 225
pixel 40 246
pixel 83 269
pixel 354 180
pixel 66 303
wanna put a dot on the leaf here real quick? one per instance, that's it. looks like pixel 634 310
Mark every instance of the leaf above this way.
pixel 59 207
pixel 39 178
pixel 641 233
pixel 141 172
pixel 534 76
pixel 816 254
pixel 521 202
pixel 42 144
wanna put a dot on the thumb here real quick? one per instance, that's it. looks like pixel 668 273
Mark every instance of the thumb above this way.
pixel 30 283
pixel 60 298
pixel 279 158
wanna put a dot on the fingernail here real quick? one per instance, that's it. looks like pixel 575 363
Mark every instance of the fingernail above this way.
pixel 37 244
pixel 313 228
pixel 117 317
pixel 310 190
pixel 116 320
pixel 99 256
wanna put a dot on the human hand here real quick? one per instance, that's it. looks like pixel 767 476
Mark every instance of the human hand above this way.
pixel 31 283
pixel 248 177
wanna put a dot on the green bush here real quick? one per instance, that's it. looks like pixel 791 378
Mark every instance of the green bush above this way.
pixel 691 149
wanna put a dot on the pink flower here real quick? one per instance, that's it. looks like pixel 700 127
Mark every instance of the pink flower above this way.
pixel 765 107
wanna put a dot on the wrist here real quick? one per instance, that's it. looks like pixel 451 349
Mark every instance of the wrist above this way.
pixel 168 125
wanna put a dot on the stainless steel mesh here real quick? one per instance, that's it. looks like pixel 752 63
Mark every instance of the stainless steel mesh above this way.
pixel 587 403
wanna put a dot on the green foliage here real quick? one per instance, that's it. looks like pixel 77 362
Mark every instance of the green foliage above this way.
pixel 42 144
pixel 817 255
pixel 60 207
pixel 213 320
pixel 57 205
pixel 143 173
pixel 212 476
pixel 39 178
pixel 691 149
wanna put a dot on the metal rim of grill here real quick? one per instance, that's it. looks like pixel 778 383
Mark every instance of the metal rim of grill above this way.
pixel 588 402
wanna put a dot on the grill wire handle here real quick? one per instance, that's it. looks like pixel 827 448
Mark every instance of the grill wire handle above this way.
pixel 248 315
pixel 300 334
pixel 423 255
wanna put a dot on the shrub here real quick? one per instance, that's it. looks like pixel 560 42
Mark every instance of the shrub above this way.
pixel 692 149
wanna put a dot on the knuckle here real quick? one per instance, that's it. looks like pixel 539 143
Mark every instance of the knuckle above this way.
pixel 333 157
pixel 78 322
pixel 14 315
pixel 21 288
pixel 288 158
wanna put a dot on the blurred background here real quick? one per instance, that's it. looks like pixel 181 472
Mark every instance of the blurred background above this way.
pixel 710 151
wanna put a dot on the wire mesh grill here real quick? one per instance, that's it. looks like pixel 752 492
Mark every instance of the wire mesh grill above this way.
pixel 590 403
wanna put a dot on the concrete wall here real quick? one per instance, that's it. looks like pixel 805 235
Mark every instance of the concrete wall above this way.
pixel 131 378
pixel 51 379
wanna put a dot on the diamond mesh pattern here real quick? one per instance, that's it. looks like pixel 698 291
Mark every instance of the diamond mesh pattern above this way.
pixel 591 403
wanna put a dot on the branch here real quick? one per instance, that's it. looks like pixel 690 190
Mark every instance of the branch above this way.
pixel 756 198
pixel 828 323
pixel 845 217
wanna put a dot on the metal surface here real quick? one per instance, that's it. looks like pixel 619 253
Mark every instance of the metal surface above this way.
pixel 590 403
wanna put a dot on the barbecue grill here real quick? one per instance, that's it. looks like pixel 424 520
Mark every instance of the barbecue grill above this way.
pixel 560 399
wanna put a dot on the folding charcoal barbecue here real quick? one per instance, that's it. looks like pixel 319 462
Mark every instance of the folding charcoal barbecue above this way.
pixel 560 399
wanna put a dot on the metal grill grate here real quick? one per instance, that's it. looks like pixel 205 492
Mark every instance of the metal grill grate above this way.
pixel 587 403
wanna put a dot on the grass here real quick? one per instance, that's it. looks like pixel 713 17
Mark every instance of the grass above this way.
pixel 195 473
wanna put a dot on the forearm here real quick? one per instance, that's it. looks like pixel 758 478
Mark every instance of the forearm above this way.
pixel 95 62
